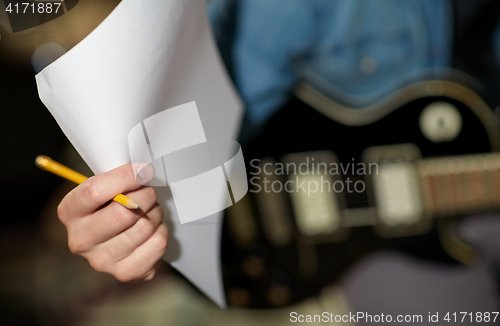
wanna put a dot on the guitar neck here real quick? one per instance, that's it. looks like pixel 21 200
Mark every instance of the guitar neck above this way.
pixel 462 184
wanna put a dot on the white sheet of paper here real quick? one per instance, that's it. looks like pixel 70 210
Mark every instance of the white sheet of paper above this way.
pixel 145 57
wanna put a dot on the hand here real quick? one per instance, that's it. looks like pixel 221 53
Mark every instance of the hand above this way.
pixel 125 243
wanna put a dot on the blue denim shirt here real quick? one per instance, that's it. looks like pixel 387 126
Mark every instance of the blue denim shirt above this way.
pixel 356 50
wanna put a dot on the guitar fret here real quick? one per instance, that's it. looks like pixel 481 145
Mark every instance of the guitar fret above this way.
pixel 476 190
pixel 477 180
pixel 437 184
pixel 458 197
pixel 461 184
pixel 426 172
pixel 496 181
pixel 465 191
pixel 434 193
pixel 423 171
pixel 445 186
pixel 498 185
pixel 489 196
pixel 492 192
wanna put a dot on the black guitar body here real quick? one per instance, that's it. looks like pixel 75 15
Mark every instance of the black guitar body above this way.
pixel 278 276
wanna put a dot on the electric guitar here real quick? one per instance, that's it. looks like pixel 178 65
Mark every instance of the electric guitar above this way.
pixel 329 184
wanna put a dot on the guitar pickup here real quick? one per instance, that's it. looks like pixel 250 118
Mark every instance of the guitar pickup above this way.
pixel 394 189
pixel 316 205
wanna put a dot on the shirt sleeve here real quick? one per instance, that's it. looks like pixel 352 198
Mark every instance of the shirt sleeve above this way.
pixel 271 38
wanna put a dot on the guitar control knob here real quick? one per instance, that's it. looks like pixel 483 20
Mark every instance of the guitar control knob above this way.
pixel 440 122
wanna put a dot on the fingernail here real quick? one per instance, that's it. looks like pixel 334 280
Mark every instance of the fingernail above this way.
pixel 146 172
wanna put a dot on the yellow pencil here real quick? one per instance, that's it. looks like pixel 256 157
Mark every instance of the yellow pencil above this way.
pixel 48 164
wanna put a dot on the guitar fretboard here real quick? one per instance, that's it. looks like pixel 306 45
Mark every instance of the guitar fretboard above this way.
pixel 456 185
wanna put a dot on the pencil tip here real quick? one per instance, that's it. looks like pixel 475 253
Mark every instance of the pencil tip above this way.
pixel 132 204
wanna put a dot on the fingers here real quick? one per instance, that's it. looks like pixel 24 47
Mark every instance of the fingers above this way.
pixel 100 189
pixel 142 263
pixel 113 219
pixel 126 242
